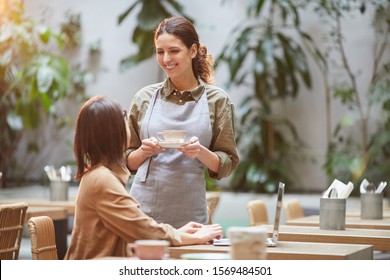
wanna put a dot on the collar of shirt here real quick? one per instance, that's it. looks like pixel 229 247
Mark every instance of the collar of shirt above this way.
pixel 169 89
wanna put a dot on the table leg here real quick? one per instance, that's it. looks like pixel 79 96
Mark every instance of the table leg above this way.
pixel 61 231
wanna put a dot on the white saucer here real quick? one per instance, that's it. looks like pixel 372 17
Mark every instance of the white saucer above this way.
pixel 172 144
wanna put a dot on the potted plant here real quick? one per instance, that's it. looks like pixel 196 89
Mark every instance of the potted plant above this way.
pixel 359 146
pixel 36 87
pixel 31 78
pixel 261 54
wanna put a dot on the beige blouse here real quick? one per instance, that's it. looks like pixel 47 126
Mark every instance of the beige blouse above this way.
pixel 107 218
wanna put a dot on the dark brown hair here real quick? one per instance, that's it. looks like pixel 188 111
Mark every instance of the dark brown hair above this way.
pixel 100 136
pixel 182 28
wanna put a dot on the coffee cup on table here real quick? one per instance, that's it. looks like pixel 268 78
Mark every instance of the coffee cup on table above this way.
pixel 149 249
pixel 248 243
pixel 174 136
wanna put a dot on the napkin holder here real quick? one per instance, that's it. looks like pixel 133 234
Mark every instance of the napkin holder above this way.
pixel 332 213
pixel 371 206
pixel 59 190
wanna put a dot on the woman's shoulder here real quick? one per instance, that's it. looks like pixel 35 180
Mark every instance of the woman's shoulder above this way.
pixel 98 174
pixel 101 176
pixel 145 94
pixel 217 94
pixel 149 89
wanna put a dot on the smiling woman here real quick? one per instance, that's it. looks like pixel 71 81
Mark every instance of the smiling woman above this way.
pixel 170 181
pixel 177 46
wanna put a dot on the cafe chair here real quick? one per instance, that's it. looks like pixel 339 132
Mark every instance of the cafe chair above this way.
pixel 258 214
pixel 212 199
pixel 293 209
pixel 42 236
pixel 12 219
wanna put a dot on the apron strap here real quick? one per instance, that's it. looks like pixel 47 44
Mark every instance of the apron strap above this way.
pixel 144 168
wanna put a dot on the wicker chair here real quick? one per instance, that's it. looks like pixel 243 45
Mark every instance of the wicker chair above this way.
pixel 43 241
pixel 293 209
pixel 212 199
pixel 12 219
pixel 258 214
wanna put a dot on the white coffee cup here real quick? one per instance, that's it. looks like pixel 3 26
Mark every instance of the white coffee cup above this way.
pixel 176 136
pixel 248 243
pixel 149 249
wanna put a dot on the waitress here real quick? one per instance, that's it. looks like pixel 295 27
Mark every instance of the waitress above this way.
pixel 170 183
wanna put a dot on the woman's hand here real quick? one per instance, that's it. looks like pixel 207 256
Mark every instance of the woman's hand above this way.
pixel 149 147
pixel 195 233
pixel 195 150
pixel 192 149
pixel 207 233
pixel 191 227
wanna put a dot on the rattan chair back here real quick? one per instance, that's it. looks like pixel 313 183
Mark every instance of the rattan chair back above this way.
pixel 42 236
pixel 257 211
pixel 293 209
pixel 12 219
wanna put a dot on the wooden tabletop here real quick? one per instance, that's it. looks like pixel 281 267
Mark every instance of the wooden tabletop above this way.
pixel 380 239
pixel 69 205
pixel 356 213
pixel 56 213
pixel 290 251
pixel 350 222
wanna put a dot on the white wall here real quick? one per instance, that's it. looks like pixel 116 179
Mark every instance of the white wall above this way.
pixel 214 21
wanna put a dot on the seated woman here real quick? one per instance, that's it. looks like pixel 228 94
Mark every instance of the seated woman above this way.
pixel 106 217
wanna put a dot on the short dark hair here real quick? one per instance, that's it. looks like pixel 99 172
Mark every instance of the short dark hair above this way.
pixel 100 136
pixel 183 29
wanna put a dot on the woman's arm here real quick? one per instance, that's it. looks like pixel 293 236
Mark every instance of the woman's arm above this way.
pixel 147 149
pixel 120 213
pixel 204 155
pixel 222 156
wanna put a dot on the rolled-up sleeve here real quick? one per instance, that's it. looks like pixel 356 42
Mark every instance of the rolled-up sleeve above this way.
pixel 224 140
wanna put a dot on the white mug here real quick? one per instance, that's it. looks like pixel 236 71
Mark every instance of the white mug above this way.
pixel 177 136
pixel 149 249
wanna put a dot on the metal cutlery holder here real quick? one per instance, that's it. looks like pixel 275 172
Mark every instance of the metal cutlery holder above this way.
pixel 371 206
pixel 59 190
pixel 332 213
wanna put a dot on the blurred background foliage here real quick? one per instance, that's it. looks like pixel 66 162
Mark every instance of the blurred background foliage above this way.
pixel 38 86
pixel 267 53
pixel 359 146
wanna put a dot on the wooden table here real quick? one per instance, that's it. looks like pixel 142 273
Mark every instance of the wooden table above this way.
pixel 56 213
pixel 69 205
pixel 350 222
pixel 356 213
pixel 380 239
pixel 291 251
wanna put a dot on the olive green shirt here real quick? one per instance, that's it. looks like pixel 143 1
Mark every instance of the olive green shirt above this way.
pixel 222 118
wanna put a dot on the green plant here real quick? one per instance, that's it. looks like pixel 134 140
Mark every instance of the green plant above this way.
pixel 32 79
pixel 360 145
pixel 150 14
pixel 37 88
pixel 262 54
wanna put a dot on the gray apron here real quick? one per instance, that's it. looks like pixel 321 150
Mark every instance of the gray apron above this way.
pixel 169 186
